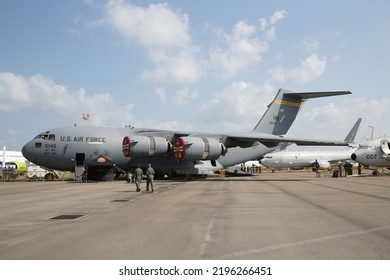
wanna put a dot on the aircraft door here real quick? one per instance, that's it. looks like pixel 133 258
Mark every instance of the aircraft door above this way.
pixel 79 168
pixel 80 158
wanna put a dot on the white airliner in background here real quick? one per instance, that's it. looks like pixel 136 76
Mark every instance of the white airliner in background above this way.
pixel 12 159
pixel 302 159
pixel 9 156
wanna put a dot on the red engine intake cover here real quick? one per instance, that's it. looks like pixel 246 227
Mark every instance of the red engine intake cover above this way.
pixel 126 146
pixel 179 148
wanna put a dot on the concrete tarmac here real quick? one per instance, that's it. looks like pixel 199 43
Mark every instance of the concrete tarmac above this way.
pixel 282 216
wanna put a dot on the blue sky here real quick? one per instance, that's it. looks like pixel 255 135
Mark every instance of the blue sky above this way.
pixel 196 65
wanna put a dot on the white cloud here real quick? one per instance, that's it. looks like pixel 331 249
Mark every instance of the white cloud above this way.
pixel 239 49
pixel 271 33
pixel 310 45
pixel 263 24
pixel 14 92
pixel 277 16
pixel 183 96
pixel 160 92
pixel 41 93
pixel 243 47
pixel 163 32
pixel 268 26
pixel 154 26
pixel 238 107
pixel 310 69
pixel 338 114
pixel 180 67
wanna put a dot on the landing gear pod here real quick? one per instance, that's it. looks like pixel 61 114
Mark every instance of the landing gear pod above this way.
pixel 197 148
pixel 141 146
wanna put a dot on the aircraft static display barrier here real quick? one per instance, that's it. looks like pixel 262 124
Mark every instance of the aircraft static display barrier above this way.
pixel 145 146
pixel 197 148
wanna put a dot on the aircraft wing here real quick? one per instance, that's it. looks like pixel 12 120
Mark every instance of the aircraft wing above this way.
pixel 248 139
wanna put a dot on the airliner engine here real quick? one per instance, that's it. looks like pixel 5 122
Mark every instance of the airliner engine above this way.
pixel 141 146
pixel 198 148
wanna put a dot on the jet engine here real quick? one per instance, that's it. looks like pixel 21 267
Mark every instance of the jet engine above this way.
pixel 141 146
pixel 198 148
pixel 385 146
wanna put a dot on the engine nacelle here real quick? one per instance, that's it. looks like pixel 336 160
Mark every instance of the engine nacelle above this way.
pixel 385 146
pixel 198 148
pixel 145 146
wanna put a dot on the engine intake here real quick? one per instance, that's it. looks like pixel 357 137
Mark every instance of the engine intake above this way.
pixel 385 146
pixel 198 148
pixel 141 146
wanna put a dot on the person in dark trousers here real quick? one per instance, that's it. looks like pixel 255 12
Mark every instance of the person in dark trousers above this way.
pixel 316 166
pixel 340 170
pixel 149 178
pixel 347 169
pixel 138 177
pixel 317 169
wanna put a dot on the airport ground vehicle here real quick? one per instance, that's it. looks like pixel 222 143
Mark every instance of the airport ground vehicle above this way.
pixel 35 172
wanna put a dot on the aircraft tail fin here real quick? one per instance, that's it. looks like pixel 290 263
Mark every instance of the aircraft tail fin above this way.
pixel 352 134
pixel 283 110
pixel 369 135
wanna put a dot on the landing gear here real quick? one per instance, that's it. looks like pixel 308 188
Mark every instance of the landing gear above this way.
pixel 49 176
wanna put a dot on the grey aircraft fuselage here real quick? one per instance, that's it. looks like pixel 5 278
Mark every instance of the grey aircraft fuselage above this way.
pixel 375 154
pixel 58 148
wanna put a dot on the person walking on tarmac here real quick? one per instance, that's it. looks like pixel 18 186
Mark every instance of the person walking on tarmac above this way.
pixel 138 177
pixel 149 177
pixel 129 176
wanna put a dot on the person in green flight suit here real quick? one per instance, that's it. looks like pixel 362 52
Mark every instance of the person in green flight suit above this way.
pixel 138 177
pixel 149 178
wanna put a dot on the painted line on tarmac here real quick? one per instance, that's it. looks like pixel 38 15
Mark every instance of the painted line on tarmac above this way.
pixel 303 242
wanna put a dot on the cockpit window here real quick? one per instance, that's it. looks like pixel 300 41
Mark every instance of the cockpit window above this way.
pixel 50 137
pixel 41 136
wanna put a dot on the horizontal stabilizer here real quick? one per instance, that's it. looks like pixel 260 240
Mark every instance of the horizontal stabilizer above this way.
pixel 308 95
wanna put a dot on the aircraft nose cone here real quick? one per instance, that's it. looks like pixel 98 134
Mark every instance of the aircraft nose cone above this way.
pixel 27 151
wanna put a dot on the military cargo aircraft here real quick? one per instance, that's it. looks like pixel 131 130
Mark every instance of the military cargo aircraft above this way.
pixel 100 149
